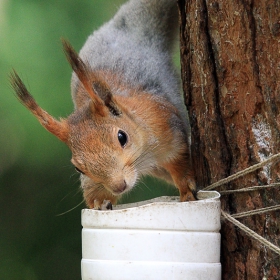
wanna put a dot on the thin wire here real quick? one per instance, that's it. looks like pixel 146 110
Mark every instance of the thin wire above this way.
pixel 243 172
pixel 251 233
pixel 256 211
pixel 232 219
pixel 250 189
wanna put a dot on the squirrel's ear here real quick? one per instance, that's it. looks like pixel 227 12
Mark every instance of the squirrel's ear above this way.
pixel 84 75
pixel 97 89
pixel 59 128
pixel 105 94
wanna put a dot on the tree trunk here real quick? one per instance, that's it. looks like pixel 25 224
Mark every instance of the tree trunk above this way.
pixel 230 52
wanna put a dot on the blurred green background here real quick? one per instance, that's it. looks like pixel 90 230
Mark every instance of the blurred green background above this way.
pixel 37 180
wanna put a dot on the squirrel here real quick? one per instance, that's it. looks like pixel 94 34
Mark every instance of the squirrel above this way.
pixel 129 118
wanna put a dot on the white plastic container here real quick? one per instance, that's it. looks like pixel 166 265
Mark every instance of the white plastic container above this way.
pixel 156 239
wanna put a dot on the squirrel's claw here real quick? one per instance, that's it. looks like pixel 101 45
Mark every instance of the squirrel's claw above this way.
pixel 109 205
pixel 105 205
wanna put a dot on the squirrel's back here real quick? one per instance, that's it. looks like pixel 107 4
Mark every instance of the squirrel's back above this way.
pixel 137 44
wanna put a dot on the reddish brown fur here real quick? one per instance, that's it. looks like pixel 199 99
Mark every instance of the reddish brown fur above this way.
pixel 153 147
pixel 59 128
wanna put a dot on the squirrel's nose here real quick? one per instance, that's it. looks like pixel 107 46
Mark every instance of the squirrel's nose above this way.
pixel 120 187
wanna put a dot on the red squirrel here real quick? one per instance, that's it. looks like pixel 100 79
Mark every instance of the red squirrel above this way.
pixel 129 118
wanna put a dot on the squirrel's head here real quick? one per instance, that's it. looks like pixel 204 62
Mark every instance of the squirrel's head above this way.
pixel 105 147
pixel 101 134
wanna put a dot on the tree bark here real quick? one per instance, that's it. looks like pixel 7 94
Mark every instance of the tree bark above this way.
pixel 230 53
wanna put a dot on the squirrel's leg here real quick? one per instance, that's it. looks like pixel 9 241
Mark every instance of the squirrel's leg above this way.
pixel 183 178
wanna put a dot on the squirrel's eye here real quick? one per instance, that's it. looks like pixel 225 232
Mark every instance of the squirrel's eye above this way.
pixel 122 137
pixel 78 170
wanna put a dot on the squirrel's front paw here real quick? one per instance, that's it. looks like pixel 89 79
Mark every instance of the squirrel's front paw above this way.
pixel 105 205
pixel 188 196
pixel 188 191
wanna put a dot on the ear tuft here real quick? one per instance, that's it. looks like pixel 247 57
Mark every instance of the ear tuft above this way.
pixel 59 129
pixel 77 64
pixel 93 83
pixel 80 68
pixel 21 91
